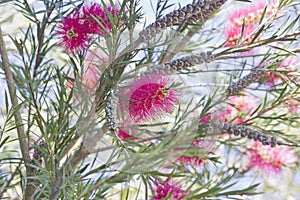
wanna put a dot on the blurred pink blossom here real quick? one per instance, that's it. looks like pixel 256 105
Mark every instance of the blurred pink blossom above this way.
pixel 236 111
pixel 267 159
pixel 127 130
pixel 288 65
pixel 240 105
pixel 251 15
pixel 169 190
pixel 125 135
pixel 97 19
pixel 243 22
pixel 233 33
pixel 216 117
pixel 235 106
pixel 95 62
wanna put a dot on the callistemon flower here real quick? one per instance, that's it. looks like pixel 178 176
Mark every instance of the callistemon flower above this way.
pixel 168 190
pixel 73 34
pixel 235 33
pixel 287 65
pixel 251 15
pixel 240 106
pixel 90 78
pixel 95 62
pixel 97 19
pixel 270 160
pixel 150 97
pixel 243 22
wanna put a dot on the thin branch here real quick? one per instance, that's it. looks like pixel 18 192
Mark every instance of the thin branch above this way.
pixel 258 44
pixel 12 92
pixel 239 56
pixel 247 55
pixel 23 141
pixel 55 186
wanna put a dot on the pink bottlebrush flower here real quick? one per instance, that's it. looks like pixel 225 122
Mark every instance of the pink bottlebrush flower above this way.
pixel 251 15
pixel 73 34
pixel 245 18
pixel 234 33
pixel 149 97
pixel 95 61
pixel 97 19
pixel 267 159
pixel 288 65
pixel 237 105
pixel 168 190
pixel 76 30
pixel 91 78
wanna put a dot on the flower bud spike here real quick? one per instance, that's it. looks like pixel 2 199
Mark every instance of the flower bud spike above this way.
pixel 236 88
pixel 182 63
pixel 110 111
pixel 191 13
pixel 243 131
pixel 38 154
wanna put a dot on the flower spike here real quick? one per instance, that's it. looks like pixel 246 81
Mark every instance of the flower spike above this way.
pixel 243 131
pixel 244 82
pixel 183 63
pixel 191 13
pixel 111 115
